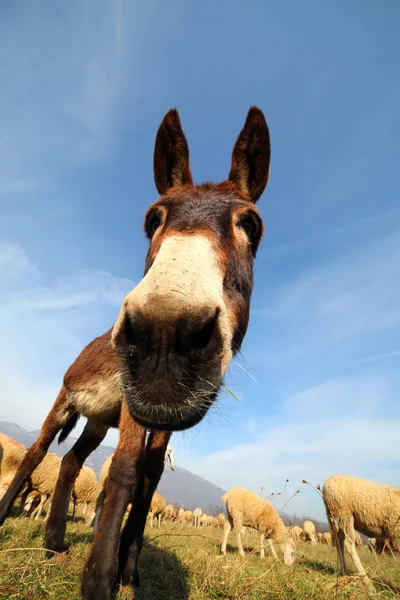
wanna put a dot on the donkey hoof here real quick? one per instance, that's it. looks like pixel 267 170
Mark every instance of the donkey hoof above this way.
pixel 54 547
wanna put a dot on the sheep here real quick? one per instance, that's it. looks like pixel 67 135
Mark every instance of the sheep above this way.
pixel 295 532
pixel 188 517
pixel 246 508
pixel 327 538
pixel 196 516
pixel 85 492
pixel 372 508
pixel 31 502
pixel 215 523
pixel 11 456
pixel 44 479
pixel 181 515
pixel 309 532
pixel 221 520
pixel 157 507
pixel 209 521
pixel 168 512
pixel 320 538
pixel 203 520
pixel 175 514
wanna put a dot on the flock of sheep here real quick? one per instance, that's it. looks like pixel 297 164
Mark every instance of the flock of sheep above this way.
pixel 352 505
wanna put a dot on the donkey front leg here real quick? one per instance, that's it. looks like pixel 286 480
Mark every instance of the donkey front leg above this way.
pixel 90 438
pixel 132 535
pixel 99 575
pixel 57 418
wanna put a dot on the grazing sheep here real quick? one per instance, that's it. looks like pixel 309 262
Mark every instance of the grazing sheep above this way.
pixel 309 532
pixel 371 508
pixel 43 481
pixel 196 516
pixel 168 512
pixel 209 520
pixel 327 538
pixel 11 455
pixel 221 520
pixel 32 500
pixel 181 516
pixel 85 492
pixel 188 517
pixel 203 520
pixel 215 523
pixel 320 538
pixel 157 507
pixel 295 532
pixel 246 508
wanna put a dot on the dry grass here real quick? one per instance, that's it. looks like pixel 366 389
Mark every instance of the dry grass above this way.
pixel 183 563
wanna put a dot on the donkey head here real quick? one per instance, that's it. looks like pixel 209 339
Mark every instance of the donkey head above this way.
pixel 180 326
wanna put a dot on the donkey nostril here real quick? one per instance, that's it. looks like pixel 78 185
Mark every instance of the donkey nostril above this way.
pixel 201 333
pixel 130 332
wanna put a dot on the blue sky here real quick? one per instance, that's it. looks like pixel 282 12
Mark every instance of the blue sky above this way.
pixel 84 87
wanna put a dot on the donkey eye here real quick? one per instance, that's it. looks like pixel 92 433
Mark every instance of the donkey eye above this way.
pixel 153 223
pixel 250 226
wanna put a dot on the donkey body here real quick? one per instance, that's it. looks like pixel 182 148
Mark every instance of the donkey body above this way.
pixel 160 367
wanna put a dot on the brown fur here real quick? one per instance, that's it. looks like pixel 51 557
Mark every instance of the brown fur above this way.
pixel 100 384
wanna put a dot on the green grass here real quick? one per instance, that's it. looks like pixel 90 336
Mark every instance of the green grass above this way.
pixel 183 563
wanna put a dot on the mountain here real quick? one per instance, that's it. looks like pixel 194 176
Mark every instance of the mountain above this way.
pixel 179 486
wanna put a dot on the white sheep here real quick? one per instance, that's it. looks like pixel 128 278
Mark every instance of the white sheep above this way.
pixel 327 538
pixel 203 520
pixel 188 517
pixel 197 516
pixel 221 520
pixel 295 532
pixel 43 480
pixel 246 508
pixel 85 492
pixel 371 508
pixel 309 532
pixel 157 507
pixel 11 456
pixel 168 513
pixel 181 515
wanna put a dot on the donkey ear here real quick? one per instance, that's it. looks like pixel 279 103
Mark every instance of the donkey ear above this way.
pixel 251 156
pixel 171 154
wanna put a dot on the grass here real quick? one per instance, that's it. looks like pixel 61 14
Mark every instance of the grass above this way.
pixel 183 563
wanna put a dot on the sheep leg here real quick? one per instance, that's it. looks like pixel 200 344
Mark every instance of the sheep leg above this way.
pixel 262 554
pixel 340 550
pixel 227 528
pixel 71 464
pixel 57 418
pixel 43 500
pixel 271 547
pixel 99 575
pixel 351 549
pixel 132 534
pixel 238 534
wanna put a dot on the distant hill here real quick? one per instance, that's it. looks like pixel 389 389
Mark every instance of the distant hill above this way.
pixel 181 486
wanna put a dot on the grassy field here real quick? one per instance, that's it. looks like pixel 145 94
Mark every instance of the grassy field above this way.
pixel 183 563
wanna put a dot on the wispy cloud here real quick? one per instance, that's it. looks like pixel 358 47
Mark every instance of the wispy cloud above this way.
pixel 43 326
pixel 337 427
pixel 65 75
pixel 342 305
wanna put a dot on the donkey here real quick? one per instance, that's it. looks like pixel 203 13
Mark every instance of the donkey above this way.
pixel 159 369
